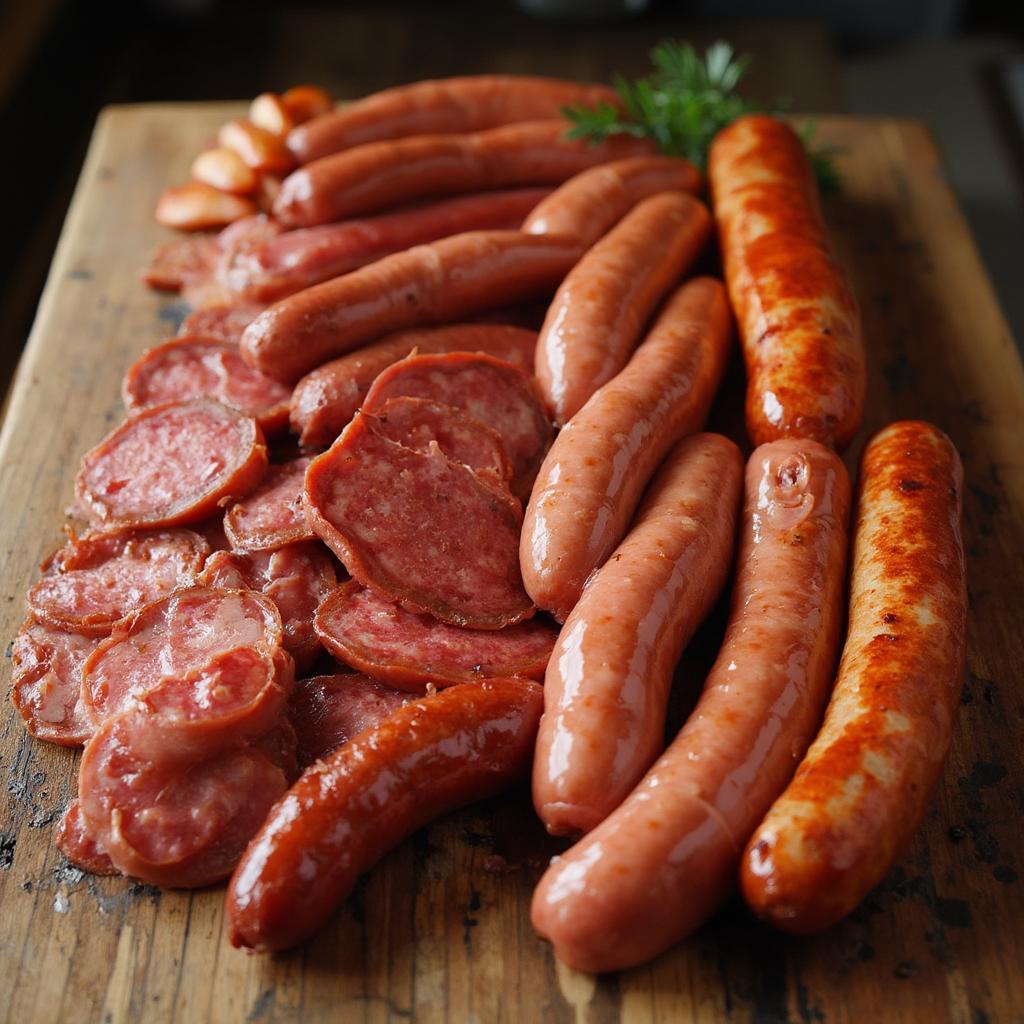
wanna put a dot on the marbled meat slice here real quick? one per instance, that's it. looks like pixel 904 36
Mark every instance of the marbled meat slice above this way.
pixel 272 515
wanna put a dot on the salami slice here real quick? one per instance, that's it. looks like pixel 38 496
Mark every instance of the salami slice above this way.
pixel 296 578
pixel 223 322
pixel 418 422
pixel 46 682
pixel 328 711
pixel 181 262
pixel 74 840
pixel 488 389
pixel 409 650
pixel 96 580
pixel 172 464
pixel 181 637
pixel 205 367
pixel 272 515
pixel 168 822
pixel 419 528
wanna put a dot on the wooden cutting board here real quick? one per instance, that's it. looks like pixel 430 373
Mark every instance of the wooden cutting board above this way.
pixel 440 929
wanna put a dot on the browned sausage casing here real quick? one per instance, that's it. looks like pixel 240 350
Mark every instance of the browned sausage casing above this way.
pixel 862 789
pixel 797 315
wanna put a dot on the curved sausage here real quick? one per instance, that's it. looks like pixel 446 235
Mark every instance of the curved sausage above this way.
pixel 669 853
pixel 607 684
pixel 379 175
pixel 797 315
pixel 272 515
pixel 590 482
pixel 442 106
pixel 464 744
pixel 586 206
pixel 325 400
pixel 601 308
pixel 423 285
pixel 863 787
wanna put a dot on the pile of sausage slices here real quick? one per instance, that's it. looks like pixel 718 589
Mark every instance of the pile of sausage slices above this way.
pixel 474 506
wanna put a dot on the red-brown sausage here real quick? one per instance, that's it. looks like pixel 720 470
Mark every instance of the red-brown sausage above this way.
pixel 442 106
pixel 586 206
pixel 432 755
pixel 325 400
pixel 591 480
pixel 427 284
pixel 797 315
pixel 607 683
pixel 863 787
pixel 380 175
pixel 668 855
pixel 601 308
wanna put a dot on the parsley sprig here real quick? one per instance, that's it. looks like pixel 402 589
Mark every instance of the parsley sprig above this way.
pixel 683 104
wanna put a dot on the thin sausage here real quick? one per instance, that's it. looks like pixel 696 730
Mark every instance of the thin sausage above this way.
pixel 607 683
pixel 427 284
pixel 591 480
pixel 863 787
pixel 601 308
pixel 797 315
pixel 668 855
pixel 464 744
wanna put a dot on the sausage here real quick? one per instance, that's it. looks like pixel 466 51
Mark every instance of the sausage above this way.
pixel 602 307
pixel 797 315
pixel 379 175
pixel 408 651
pixel 95 580
pixel 591 480
pixel 432 755
pixel 171 464
pixel 204 367
pixel 427 284
pixel 490 391
pixel 73 840
pixel 596 199
pixel 442 106
pixel 862 789
pixel 419 529
pixel 225 322
pixel 668 855
pixel 272 515
pixel 270 269
pixel 325 400
pixel 607 683
pixel 181 262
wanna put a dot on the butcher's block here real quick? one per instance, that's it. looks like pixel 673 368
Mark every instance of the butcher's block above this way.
pixel 440 929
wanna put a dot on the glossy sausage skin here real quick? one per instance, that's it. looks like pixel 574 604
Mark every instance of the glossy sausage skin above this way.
pixel 428 284
pixel 607 683
pixel 861 791
pixel 591 480
pixel 797 315
pixel 586 206
pixel 668 855
pixel 439 107
pixel 379 175
pixel 464 744
pixel 603 305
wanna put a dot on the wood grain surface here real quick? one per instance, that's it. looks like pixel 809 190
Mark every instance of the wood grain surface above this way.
pixel 440 929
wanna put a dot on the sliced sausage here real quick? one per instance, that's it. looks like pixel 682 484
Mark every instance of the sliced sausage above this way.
pixel 607 683
pixel 181 262
pixel 591 480
pixel 668 855
pixel 171 464
pixel 224 322
pixel 863 787
pixel 272 515
pixel 74 841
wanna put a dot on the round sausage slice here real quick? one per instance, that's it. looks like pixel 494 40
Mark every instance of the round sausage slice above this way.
pixel 74 840
pixel 223 322
pixel 172 464
pixel 272 515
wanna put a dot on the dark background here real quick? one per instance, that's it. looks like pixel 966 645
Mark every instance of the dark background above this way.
pixel 61 61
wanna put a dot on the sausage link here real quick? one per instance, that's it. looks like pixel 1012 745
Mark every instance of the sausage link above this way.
pixel 378 175
pixel 607 683
pixel 863 787
pixel 797 315
pixel 464 744
pixel 601 308
pixel 668 855
pixel 591 480
pixel 427 284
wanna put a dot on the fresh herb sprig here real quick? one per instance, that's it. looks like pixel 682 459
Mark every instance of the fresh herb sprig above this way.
pixel 683 104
